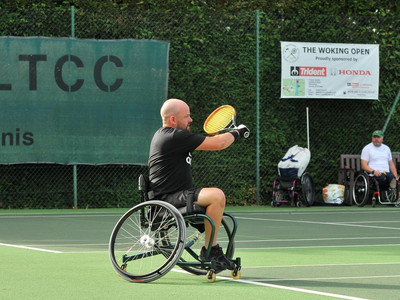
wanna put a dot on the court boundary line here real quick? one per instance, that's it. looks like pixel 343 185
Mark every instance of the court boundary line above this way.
pixel 322 265
pixel 30 248
pixel 327 278
pixel 319 223
pixel 316 247
pixel 283 287
pixel 320 239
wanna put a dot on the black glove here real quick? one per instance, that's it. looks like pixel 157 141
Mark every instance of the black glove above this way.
pixel 243 131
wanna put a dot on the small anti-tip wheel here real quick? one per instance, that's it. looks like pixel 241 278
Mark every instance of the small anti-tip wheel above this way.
pixel 236 274
pixel 211 276
pixel 123 268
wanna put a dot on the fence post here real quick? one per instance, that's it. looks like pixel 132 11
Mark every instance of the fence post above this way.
pixel 391 111
pixel 258 106
pixel 75 171
pixel 72 21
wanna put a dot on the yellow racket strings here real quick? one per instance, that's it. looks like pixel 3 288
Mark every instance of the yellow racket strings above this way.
pixel 220 119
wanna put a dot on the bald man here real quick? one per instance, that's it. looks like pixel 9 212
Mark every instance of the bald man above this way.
pixel 170 169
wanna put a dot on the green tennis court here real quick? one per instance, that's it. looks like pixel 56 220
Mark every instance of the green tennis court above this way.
pixel 301 253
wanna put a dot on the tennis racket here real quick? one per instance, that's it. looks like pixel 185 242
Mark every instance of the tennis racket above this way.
pixel 222 119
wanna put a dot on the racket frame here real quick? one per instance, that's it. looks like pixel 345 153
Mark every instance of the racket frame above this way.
pixel 231 125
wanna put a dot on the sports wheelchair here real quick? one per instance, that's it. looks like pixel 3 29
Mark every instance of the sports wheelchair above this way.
pixel 364 184
pixel 154 236
pixel 297 190
pixel 293 185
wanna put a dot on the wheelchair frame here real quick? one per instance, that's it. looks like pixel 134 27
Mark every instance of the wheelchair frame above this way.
pixel 361 190
pixel 350 168
pixel 299 190
pixel 154 236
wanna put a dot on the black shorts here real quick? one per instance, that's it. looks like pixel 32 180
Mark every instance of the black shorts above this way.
pixel 179 199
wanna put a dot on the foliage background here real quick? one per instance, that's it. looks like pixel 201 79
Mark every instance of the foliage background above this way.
pixel 213 62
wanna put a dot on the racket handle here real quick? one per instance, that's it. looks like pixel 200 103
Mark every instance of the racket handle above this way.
pixel 243 131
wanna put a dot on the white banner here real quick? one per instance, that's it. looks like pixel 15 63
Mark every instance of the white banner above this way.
pixel 322 70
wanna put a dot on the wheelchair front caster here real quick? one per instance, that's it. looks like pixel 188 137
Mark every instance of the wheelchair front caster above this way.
pixel 211 276
pixel 235 274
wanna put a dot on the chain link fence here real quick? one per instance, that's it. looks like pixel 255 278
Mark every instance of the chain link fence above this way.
pixel 213 62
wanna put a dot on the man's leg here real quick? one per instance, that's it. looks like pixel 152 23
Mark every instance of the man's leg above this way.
pixel 213 199
pixel 391 180
pixel 386 180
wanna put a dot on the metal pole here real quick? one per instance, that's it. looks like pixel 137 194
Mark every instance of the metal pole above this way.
pixel 258 106
pixel 75 171
pixel 308 130
pixel 72 21
pixel 75 168
pixel 391 111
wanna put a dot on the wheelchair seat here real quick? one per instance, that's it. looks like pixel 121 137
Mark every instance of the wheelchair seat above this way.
pixel 147 194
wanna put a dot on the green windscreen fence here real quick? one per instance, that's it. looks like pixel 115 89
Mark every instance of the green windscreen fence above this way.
pixel 73 101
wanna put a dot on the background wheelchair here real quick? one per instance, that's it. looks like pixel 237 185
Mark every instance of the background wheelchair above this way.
pixel 381 193
pixel 293 185
pixel 297 190
pixel 154 236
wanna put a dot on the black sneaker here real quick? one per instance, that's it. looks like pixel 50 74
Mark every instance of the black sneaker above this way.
pixel 217 255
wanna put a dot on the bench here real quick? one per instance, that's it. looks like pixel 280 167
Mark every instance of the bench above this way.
pixel 350 165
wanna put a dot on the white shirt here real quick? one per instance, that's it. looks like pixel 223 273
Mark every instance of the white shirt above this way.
pixel 377 157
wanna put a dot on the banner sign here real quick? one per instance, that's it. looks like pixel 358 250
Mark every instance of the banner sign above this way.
pixel 73 101
pixel 328 70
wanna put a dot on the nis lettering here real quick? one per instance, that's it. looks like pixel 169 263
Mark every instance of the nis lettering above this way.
pixel 17 138
pixel 34 60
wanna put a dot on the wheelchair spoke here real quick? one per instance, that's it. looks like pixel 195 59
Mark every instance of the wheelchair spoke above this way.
pixel 147 241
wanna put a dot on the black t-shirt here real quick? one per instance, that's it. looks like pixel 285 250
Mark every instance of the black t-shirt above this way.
pixel 170 160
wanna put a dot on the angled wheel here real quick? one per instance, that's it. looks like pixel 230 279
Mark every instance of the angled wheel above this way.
pixel 308 189
pixel 391 195
pixel 147 241
pixel 361 189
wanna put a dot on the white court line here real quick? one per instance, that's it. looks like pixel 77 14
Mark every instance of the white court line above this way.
pixel 55 215
pixel 319 239
pixel 30 248
pixel 315 212
pixel 316 247
pixel 320 223
pixel 282 287
pixel 321 265
pixel 365 222
pixel 327 278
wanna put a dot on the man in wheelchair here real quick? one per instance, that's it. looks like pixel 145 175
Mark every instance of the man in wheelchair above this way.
pixel 376 159
pixel 170 175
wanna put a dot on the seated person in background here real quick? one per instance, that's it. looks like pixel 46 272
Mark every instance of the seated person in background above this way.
pixel 170 172
pixel 376 159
